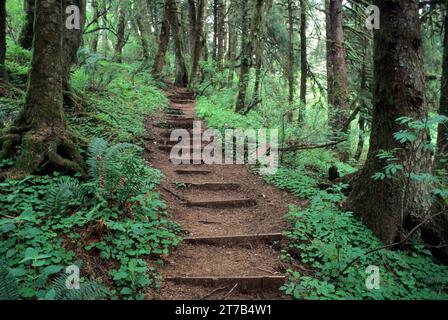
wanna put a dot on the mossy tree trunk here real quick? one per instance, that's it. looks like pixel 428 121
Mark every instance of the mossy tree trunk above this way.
pixel 26 34
pixel 291 56
pixel 71 43
pixel 176 32
pixel 39 135
pixel 436 233
pixel 388 206
pixel 199 41
pixel 141 26
pixel 337 66
pixel 259 46
pixel 191 24
pixel 3 73
pixel 442 141
pixel 338 97
pixel 232 41
pixel 221 34
pixel 303 62
pixel 245 61
pixel 159 61
pixel 121 34
pixel 96 18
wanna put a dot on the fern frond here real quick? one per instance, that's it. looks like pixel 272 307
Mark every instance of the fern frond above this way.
pixel 89 290
pixel 60 196
pixel 8 283
pixel 96 151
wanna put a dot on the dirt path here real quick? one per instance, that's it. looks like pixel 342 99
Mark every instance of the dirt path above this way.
pixel 233 220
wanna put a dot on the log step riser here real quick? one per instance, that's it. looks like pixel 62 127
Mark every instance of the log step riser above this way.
pixel 192 172
pixel 238 240
pixel 210 186
pixel 244 284
pixel 223 204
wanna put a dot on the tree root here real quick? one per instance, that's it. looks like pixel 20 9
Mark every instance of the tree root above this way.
pixel 72 102
pixel 40 148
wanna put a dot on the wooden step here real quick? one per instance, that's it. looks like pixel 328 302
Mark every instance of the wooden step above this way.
pixel 180 118
pixel 183 95
pixel 169 147
pixel 236 239
pixel 241 284
pixel 212 186
pixel 175 112
pixel 167 133
pixel 182 101
pixel 186 161
pixel 167 142
pixel 220 204
pixel 192 171
pixel 180 124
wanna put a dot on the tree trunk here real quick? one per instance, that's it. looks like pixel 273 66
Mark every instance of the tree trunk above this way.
pixel 192 25
pixel 233 39
pixel 139 25
pixel 71 43
pixel 95 36
pixel 121 34
pixel 362 94
pixel 303 62
pixel 386 206
pixel 442 140
pixel 247 50
pixel 199 40
pixel 153 11
pixel 215 30
pixel 106 46
pixel 338 89
pixel 3 73
pixel 176 26
pixel 436 233
pixel 330 54
pixel 245 59
pixel 26 34
pixel 221 34
pixel 259 44
pixel 39 135
pixel 291 55
pixel 159 61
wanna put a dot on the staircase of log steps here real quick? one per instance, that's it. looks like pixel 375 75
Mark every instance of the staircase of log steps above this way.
pixel 217 264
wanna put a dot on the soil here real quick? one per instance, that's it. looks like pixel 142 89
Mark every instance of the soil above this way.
pixel 220 260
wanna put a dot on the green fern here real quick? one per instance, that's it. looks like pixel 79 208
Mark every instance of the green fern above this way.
pixel 89 290
pixel 117 173
pixel 96 151
pixel 8 283
pixel 66 191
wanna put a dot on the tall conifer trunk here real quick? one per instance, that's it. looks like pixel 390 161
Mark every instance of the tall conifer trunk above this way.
pixel 387 205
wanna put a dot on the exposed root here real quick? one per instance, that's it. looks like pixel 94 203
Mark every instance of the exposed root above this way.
pixel 40 148
pixel 72 102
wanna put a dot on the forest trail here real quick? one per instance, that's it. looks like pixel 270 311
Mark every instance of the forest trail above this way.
pixel 234 220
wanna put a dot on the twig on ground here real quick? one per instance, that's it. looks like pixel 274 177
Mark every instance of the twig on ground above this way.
pixel 230 292
pixel 180 198
pixel 212 293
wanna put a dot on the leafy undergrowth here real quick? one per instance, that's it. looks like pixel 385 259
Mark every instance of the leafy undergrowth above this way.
pixel 328 248
pixel 118 97
pixel 113 226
